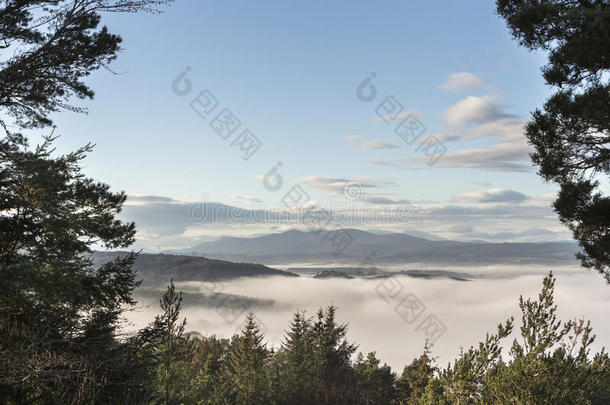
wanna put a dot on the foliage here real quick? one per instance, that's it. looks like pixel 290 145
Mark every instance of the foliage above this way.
pixel 49 47
pixel 571 132
pixel 59 313
pixel 415 377
pixel 53 298
pixel 550 363
pixel 375 384
pixel 544 368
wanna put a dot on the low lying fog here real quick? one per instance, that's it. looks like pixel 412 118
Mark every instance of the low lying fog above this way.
pixel 467 309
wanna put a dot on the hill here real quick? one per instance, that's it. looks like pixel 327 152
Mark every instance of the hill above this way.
pixel 159 268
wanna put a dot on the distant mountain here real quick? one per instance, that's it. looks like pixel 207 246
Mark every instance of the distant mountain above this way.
pixel 431 274
pixel 155 269
pixel 424 235
pixel 331 274
pixel 296 242
pixel 310 247
pixel 363 271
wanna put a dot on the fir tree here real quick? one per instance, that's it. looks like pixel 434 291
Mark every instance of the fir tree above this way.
pixel 172 349
pixel 295 362
pixel 244 377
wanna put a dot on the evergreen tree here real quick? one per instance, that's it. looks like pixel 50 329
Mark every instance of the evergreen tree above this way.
pixel 51 217
pixel 544 368
pixel 334 378
pixel 48 48
pixel 59 313
pixel 547 368
pixel 205 371
pixel 375 384
pixel 463 381
pixel 295 362
pixel 415 377
pixel 571 132
pixel 172 349
pixel 244 377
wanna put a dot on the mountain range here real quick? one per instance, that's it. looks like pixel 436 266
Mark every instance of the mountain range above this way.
pixel 296 246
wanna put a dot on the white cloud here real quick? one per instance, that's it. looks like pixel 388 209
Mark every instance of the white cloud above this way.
pixel 162 221
pixel 501 157
pixel 263 177
pixel 482 183
pixel 362 144
pixel 337 185
pixel 147 199
pixel 380 200
pixel 464 81
pixel 505 129
pixel 490 196
pixel 468 309
pixel 548 197
pixel 472 110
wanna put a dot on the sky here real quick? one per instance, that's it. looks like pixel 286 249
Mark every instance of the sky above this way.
pixel 322 93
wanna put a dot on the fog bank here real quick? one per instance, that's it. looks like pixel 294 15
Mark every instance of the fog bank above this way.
pixel 381 320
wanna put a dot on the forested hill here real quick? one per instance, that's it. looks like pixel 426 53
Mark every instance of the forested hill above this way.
pixel 159 268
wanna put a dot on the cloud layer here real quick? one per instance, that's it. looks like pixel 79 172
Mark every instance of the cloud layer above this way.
pixel 502 214
pixel 468 310
pixel 490 196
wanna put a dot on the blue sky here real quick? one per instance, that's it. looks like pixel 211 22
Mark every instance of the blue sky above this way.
pixel 289 72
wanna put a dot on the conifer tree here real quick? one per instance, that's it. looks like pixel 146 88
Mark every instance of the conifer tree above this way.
pixel 295 361
pixel 244 376
pixel 48 48
pixel 375 384
pixel 51 217
pixel 333 374
pixel 58 312
pixel 571 133
pixel 415 377
pixel 172 349
pixel 549 364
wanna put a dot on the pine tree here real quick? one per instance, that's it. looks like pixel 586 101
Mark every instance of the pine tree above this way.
pixel 51 217
pixel 551 364
pixel 204 371
pixel 415 377
pixel 571 132
pixel 544 368
pixel 464 380
pixel 59 312
pixel 49 47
